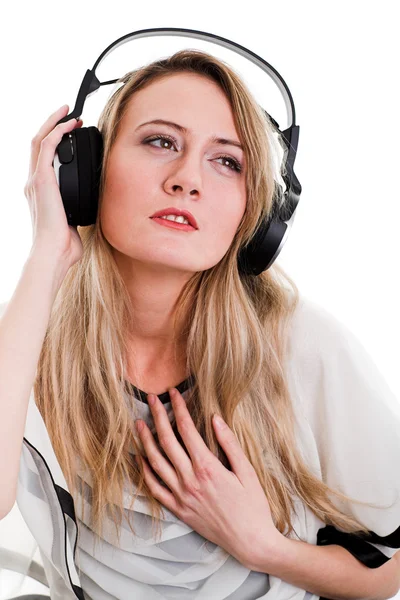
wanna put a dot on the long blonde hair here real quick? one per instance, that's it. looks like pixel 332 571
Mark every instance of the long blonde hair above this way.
pixel 237 330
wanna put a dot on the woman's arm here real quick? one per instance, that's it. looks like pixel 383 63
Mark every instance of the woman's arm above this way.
pixel 330 571
pixel 354 418
pixel 22 331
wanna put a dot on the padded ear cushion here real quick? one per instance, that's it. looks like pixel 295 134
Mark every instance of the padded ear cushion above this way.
pixel 89 154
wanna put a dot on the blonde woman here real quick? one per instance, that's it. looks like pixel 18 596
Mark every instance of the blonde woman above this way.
pixel 297 496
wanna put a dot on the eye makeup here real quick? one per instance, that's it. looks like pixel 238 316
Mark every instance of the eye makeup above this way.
pixel 235 164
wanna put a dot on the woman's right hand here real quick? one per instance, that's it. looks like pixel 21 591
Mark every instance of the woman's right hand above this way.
pixel 49 221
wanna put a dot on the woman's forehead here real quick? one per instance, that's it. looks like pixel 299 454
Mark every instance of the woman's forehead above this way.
pixel 187 108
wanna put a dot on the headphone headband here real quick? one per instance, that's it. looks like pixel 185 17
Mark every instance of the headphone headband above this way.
pixel 90 83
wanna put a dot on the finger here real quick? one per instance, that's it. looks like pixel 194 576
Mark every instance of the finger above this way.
pixel 45 129
pixel 241 466
pixel 158 491
pixel 198 450
pixel 49 144
pixel 157 461
pixel 196 447
pixel 168 441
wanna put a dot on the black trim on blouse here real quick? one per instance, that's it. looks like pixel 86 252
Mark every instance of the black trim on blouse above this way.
pixel 358 546
pixel 67 506
pixel 164 397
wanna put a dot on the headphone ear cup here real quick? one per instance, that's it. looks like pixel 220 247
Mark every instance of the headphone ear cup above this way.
pixel 79 162
pixel 89 154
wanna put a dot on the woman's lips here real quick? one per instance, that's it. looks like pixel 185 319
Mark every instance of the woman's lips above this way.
pixel 172 224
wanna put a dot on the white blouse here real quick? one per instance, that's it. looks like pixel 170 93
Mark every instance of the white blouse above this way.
pixel 178 566
pixel 348 430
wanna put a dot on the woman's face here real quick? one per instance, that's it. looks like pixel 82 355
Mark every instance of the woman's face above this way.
pixel 184 170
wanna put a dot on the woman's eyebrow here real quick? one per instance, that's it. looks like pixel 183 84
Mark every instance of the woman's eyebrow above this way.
pixel 182 129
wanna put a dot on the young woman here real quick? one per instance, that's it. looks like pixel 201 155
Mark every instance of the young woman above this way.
pixel 298 496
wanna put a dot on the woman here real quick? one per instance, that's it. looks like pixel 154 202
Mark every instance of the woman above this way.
pixel 145 307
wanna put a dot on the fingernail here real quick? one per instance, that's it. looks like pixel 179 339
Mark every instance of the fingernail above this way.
pixel 151 399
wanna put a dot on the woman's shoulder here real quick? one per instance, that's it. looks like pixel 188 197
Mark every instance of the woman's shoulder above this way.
pixel 315 331
pixel 329 365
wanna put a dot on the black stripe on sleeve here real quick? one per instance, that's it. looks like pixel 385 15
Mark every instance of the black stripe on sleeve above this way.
pixel 358 544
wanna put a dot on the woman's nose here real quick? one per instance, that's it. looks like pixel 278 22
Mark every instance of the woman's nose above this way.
pixel 185 174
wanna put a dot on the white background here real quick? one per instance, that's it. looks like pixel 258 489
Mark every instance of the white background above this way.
pixel 340 61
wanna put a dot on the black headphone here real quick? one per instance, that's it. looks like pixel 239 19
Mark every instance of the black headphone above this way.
pixel 78 159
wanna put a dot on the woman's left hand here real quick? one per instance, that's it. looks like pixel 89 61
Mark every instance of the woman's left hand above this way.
pixel 228 508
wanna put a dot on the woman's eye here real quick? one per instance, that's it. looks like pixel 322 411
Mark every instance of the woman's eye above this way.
pixel 235 165
pixel 157 138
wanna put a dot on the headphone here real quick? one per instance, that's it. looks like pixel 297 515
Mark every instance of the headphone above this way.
pixel 78 159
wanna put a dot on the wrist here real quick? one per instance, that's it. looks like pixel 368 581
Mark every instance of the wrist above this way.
pixel 266 558
pixel 48 266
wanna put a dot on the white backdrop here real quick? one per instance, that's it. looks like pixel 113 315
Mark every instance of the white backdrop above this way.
pixel 340 61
